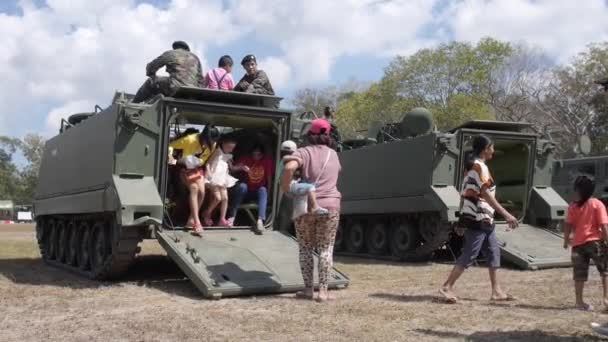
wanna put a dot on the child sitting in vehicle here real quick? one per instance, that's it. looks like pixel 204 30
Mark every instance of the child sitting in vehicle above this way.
pixel 219 180
pixel 305 199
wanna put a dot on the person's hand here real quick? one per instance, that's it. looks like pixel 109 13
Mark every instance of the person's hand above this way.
pixel 459 231
pixel 511 221
pixel 245 168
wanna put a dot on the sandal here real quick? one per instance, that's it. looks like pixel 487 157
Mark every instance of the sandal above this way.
pixel 189 224
pixel 304 295
pixel 208 221
pixel 198 229
pixel 507 298
pixel 448 298
pixel 225 223
pixel 586 307
pixel 328 298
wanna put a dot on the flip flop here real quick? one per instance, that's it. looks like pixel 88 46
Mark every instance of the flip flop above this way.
pixel 189 224
pixel 508 298
pixel 329 298
pixel 586 308
pixel 304 295
pixel 447 297
pixel 198 229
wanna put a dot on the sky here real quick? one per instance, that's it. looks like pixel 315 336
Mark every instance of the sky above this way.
pixel 65 56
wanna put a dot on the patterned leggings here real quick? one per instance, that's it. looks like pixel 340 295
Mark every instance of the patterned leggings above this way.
pixel 318 232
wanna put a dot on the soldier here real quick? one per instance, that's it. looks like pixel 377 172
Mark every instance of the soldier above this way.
pixel 330 116
pixel 184 69
pixel 255 81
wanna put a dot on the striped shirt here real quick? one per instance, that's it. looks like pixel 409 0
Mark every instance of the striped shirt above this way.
pixel 473 205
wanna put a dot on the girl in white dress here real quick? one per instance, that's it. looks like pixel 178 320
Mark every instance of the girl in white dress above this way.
pixel 219 180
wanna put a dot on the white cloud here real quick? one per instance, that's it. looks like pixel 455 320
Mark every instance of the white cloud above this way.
pixel 53 120
pixel 73 53
pixel 561 27
pixel 278 69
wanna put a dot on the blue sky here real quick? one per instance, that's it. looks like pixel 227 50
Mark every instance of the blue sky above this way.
pixel 65 56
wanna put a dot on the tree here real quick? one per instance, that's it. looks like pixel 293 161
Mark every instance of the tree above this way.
pixel 9 176
pixel 32 147
pixel 571 101
pixel 450 80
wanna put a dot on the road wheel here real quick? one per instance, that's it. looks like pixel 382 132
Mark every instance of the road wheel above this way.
pixel 100 246
pixel 355 237
pixel 339 242
pixel 52 240
pixel 404 239
pixel 62 241
pixel 376 238
pixel 72 247
pixel 84 260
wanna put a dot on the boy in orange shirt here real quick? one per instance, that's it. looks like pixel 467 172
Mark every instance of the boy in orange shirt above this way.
pixel 587 217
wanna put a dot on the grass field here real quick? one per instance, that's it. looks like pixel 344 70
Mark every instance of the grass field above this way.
pixel 385 302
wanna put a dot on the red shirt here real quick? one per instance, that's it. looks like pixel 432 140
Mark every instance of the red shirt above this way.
pixel 259 171
pixel 587 221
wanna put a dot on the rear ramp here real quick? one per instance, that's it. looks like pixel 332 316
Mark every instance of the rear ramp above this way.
pixel 232 262
pixel 532 248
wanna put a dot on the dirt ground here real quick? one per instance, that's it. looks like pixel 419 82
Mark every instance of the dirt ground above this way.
pixel 385 302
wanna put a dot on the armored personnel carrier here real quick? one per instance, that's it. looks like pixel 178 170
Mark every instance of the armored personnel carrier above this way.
pixel 105 184
pixel 566 171
pixel 400 195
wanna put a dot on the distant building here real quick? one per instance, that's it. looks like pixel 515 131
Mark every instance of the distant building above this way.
pixel 6 210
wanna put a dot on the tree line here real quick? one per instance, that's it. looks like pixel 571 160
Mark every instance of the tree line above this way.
pixel 492 80
pixel 18 183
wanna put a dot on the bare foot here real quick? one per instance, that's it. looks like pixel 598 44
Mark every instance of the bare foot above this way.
pixel 448 295
pixel 321 298
pixel 500 296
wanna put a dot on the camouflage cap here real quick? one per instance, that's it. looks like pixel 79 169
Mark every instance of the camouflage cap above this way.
pixel 248 58
pixel 180 44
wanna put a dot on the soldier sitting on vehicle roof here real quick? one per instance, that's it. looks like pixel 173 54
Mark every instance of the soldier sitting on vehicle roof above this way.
pixel 330 115
pixel 255 81
pixel 184 69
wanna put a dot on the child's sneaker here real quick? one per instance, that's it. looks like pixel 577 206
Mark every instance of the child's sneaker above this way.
pixel 320 211
pixel 259 227
pixel 230 222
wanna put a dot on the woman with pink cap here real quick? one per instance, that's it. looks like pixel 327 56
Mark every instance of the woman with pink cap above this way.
pixel 319 165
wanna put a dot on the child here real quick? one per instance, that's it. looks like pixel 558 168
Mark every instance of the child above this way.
pixel 305 198
pixel 219 180
pixel 220 78
pixel 587 217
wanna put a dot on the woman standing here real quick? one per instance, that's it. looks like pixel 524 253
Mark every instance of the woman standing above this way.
pixel 320 165
pixel 477 217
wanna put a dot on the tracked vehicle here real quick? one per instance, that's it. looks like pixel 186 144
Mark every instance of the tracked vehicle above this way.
pixel 105 185
pixel 400 196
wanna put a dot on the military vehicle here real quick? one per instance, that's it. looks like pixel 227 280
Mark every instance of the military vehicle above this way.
pixel 105 184
pixel 400 195
pixel 566 170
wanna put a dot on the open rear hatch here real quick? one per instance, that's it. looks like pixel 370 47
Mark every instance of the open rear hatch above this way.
pixel 231 262
pixel 531 247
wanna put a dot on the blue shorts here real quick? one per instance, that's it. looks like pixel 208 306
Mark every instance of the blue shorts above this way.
pixel 476 241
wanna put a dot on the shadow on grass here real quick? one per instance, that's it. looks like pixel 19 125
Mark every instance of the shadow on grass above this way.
pixel 352 260
pixel 405 298
pixel 531 306
pixel 154 271
pixel 526 335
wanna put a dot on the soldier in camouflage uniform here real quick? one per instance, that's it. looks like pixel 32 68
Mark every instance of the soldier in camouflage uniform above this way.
pixel 255 81
pixel 184 69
